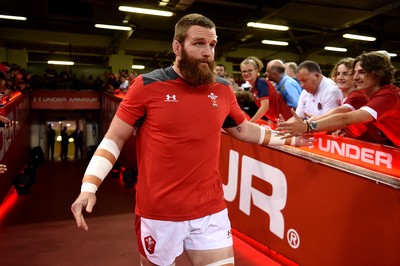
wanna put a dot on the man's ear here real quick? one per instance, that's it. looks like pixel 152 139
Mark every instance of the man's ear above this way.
pixel 176 47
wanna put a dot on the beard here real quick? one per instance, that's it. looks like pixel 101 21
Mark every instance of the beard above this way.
pixel 194 71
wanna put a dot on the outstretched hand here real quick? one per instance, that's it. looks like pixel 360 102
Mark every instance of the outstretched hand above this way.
pixel 5 120
pixel 296 127
pixel 3 168
pixel 304 140
pixel 87 200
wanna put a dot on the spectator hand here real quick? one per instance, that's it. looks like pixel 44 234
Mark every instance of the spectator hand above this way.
pixel 339 133
pixel 5 120
pixel 291 129
pixel 3 168
pixel 85 199
pixel 304 140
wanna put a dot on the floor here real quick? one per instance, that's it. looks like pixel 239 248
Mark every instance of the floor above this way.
pixel 37 229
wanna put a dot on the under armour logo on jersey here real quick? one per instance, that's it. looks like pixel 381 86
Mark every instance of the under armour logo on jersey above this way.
pixel 171 98
pixel 150 244
pixel 213 98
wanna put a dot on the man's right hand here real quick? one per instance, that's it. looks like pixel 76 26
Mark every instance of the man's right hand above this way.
pixel 87 200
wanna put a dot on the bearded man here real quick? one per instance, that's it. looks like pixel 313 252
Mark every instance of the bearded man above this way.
pixel 178 113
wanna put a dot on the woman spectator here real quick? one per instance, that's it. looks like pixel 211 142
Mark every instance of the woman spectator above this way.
pixel 270 103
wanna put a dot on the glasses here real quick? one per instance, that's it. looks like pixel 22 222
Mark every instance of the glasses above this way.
pixel 247 71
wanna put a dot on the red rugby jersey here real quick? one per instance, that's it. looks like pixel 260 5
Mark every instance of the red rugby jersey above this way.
pixel 178 143
pixel 384 106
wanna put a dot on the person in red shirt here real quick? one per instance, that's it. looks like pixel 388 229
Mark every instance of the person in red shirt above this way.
pixel 177 113
pixel 373 75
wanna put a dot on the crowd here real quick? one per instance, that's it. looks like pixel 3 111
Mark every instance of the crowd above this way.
pixel 358 99
pixel 16 78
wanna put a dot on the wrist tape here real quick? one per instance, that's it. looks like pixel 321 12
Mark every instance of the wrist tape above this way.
pixel 274 139
pixel 100 165
pixel 262 135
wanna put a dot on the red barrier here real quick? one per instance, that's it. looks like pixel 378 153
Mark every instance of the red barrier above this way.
pixel 14 140
pixel 309 208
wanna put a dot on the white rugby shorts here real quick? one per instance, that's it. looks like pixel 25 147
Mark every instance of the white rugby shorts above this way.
pixel 162 241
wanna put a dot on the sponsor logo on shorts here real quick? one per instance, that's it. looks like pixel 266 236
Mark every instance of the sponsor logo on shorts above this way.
pixel 229 234
pixel 150 244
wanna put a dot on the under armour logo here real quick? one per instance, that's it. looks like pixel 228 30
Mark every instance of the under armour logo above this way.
pixel 213 98
pixel 171 98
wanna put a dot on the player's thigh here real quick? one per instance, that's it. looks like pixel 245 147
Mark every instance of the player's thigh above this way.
pixel 214 257
pixel 145 262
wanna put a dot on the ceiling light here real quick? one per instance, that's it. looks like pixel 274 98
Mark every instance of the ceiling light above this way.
pixel 137 66
pixel 275 42
pixel 64 63
pixel 387 53
pixel 113 27
pixel 145 11
pixel 335 49
pixel 163 3
pixel 12 17
pixel 267 26
pixel 359 37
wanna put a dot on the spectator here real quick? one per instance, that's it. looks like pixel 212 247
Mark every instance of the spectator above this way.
pixel 64 81
pixel 98 84
pixel 285 85
pixel 64 143
pixel 89 83
pixel 77 135
pixel 4 90
pixel 132 75
pixel 51 138
pixel 270 103
pixel 291 70
pixel 246 102
pixel 5 120
pixel 50 78
pixel 124 83
pixel 373 74
pixel 220 71
pixel 319 95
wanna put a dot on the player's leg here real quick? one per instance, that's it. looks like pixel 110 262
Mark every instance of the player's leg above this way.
pixel 160 242
pixel 214 257
pixel 210 241
pixel 145 262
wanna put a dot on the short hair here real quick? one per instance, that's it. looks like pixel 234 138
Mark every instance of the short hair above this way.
pixel 311 66
pixel 253 61
pixel 221 65
pixel 377 65
pixel 292 65
pixel 183 25
pixel 347 62
pixel 279 69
